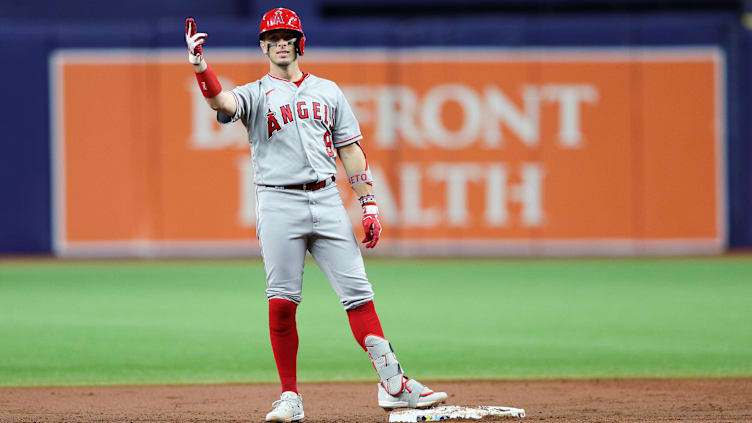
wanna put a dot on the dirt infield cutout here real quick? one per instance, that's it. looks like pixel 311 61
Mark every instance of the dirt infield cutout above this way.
pixel 626 400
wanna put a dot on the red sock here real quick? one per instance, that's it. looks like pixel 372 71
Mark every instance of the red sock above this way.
pixel 363 322
pixel 284 335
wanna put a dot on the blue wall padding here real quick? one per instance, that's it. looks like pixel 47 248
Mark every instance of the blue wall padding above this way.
pixel 25 209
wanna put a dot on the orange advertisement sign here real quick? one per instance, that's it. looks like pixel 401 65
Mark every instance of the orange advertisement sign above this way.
pixel 517 151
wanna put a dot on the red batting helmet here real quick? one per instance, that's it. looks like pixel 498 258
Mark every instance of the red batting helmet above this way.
pixel 281 18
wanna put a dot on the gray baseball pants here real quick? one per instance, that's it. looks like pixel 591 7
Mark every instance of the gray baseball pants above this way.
pixel 291 222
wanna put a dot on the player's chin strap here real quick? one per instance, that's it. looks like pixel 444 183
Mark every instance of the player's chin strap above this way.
pixel 385 362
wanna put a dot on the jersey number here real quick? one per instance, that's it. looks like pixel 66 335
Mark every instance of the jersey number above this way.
pixel 328 143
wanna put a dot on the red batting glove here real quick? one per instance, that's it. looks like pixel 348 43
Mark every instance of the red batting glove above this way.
pixel 193 40
pixel 371 225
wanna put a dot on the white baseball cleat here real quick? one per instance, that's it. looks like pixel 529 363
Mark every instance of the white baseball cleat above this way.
pixel 413 395
pixel 289 408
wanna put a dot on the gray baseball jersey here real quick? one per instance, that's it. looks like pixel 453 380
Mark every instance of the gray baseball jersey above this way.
pixel 293 132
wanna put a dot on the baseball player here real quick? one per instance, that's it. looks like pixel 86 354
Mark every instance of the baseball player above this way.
pixel 298 124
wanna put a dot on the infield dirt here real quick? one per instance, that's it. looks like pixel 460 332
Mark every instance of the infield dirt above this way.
pixel 622 400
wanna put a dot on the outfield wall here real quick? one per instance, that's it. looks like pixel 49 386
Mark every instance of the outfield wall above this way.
pixel 584 135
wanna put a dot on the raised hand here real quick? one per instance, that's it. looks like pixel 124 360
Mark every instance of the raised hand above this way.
pixel 194 40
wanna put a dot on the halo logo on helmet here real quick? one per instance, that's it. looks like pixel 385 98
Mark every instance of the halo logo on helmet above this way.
pixel 281 18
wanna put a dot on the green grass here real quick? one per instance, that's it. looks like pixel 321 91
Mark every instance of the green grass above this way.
pixel 132 322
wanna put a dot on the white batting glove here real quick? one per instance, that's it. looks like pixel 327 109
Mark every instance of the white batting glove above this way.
pixel 194 40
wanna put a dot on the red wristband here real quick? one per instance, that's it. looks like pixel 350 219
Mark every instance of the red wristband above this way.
pixel 208 82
